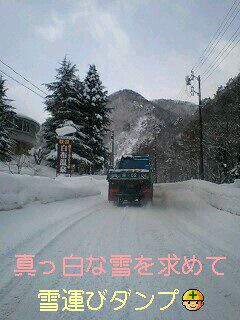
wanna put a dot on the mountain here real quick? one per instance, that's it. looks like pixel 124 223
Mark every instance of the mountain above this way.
pixel 180 108
pixel 136 121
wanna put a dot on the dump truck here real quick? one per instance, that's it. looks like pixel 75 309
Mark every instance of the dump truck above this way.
pixel 131 180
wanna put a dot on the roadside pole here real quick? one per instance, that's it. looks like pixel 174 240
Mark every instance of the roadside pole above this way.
pixel 113 148
pixel 201 164
pixel 189 80
pixel 155 152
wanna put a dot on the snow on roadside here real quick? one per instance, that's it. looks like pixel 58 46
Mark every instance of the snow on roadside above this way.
pixel 236 183
pixel 19 190
pixel 224 197
pixel 34 170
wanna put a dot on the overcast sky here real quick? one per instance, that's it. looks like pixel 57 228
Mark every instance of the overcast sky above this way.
pixel 145 45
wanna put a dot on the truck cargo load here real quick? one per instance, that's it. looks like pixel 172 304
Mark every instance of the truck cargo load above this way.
pixel 131 180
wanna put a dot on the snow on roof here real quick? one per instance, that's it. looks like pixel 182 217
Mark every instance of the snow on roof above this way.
pixel 21 115
pixel 135 157
pixel 65 130
pixel 130 156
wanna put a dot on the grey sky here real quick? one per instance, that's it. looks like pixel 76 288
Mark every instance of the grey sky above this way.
pixel 144 45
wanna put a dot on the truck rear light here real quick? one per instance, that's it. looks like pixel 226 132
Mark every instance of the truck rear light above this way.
pixel 147 193
pixel 112 193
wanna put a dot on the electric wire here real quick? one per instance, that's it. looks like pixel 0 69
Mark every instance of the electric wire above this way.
pixel 211 52
pixel 222 60
pixel 5 64
pixel 21 83
pixel 218 32
pixel 222 52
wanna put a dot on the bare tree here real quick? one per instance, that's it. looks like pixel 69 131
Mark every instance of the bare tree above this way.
pixel 19 162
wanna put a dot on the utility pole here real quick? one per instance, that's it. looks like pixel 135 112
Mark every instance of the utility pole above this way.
pixel 201 166
pixel 155 151
pixel 113 148
pixel 189 83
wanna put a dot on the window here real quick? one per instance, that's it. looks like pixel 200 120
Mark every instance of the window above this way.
pixel 133 163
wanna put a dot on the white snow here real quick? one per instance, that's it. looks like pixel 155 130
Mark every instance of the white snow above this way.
pixel 236 183
pixel 71 99
pixel 65 130
pixel 21 115
pixel 77 157
pixel 127 141
pixel 19 190
pixel 182 220
pixel 52 155
pixel 224 197
pixel 132 170
pixel 32 170
pixel 98 116
pixel 130 156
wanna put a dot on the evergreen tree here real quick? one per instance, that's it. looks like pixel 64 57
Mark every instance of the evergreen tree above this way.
pixel 221 132
pixel 96 116
pixel 65 103
pixel 6 121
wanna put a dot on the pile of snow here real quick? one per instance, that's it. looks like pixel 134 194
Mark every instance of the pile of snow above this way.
pixel 66 130
pixel 224 197
pixel 236 183
pixel 32 170
pixel 18 190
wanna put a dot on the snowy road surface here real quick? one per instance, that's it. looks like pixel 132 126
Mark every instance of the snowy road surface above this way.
pixel 179 222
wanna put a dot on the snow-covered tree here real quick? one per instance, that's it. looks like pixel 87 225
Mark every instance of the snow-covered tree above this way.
pixel 20 162
pixel 69 128
pixel 65 103
pixel 96 116
pixel 39 150
pixel 6 119
pixel 222 131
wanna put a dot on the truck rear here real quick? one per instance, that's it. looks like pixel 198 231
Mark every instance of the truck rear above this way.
pixel 131 181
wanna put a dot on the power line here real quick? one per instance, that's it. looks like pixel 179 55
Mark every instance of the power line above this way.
pixel 215 34
pixel 222 32
pixel 222 60
pixel 21 83
pixel 211 52
pixel 225 24
pixel 221 53
pixel 218 32
pixel 23 77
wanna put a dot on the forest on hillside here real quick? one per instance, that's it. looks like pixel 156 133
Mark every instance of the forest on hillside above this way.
pixel 178 159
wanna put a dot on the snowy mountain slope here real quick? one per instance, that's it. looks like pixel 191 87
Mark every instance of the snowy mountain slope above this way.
pixel 183 109
pixel 135 119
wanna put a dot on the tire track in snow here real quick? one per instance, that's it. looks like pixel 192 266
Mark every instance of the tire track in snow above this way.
pixel 42 233
pixel 8 291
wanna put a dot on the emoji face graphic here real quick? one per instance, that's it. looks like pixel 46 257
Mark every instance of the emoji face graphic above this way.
pixel 193 300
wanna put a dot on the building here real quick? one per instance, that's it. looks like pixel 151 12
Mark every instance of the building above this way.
pixel 23 130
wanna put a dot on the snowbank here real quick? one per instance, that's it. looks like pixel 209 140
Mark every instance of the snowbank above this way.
pixel 223 197
pixel 34 170
pixel 236 183
pixel 19 190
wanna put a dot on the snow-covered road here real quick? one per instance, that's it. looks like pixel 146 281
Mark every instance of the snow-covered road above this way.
pixel 179 222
